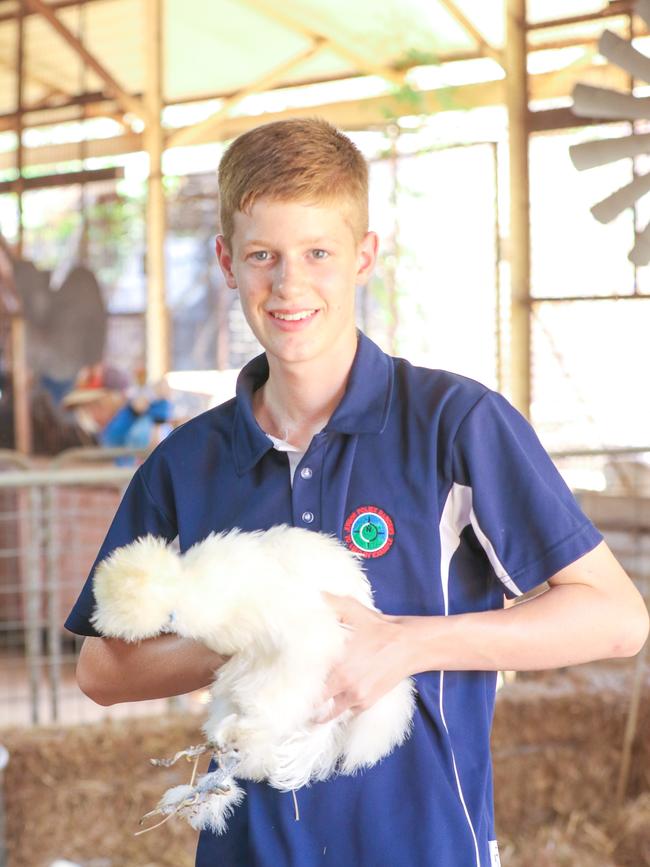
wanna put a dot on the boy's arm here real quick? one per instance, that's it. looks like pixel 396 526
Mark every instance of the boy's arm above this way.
pixel 592 611
pixel 110 670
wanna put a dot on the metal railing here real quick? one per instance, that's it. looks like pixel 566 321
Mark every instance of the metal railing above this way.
pixel 613 488
pixel 52 520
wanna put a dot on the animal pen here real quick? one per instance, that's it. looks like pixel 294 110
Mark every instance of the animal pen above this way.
pixel 459 149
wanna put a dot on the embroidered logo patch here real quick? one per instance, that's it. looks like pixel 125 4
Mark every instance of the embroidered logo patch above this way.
pixel 369 531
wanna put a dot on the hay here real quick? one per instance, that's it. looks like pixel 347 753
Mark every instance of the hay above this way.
pixel 620 839
pixel 78 793
pixel 557 743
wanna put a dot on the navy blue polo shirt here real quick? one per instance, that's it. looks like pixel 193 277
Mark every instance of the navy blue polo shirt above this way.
pixel 448 494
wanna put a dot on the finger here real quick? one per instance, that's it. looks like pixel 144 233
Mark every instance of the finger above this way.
pixel 332 709
pixel 337 602
pixel 334 685
pixel 344 606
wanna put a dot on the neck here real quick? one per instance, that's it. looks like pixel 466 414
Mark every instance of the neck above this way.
pixel 298 400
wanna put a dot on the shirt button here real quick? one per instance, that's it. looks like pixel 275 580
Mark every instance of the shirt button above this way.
pixel 306 473
pixel 307 517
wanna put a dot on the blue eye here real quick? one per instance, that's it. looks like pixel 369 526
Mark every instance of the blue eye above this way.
pixel 319 254
pixel 261 255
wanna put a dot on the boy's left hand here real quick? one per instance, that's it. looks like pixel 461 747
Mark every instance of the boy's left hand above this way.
pixel 375 660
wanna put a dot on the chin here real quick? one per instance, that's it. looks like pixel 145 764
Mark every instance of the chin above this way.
pixel 294 353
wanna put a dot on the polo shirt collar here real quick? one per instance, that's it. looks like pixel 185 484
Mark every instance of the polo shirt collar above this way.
pixel 363 409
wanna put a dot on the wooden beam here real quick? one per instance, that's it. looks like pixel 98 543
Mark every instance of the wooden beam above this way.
pixel 157 314
pixel 46 100
pixel 590 42
pixel 20 88
pixel 95 100
pixel 54 5
pixel 614 10
pixel 189 135
pixel 49 154
pixel 19 367
pixel 271 9
pixel 63 179
pixel 57 100
pixel 128 102
pixel 352 114
pixel 93 105
pixel 472 31
pixel 519 246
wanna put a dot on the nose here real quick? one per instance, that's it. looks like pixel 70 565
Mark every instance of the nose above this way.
pixel 289 279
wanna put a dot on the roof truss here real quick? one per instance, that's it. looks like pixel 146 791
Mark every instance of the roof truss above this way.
pixel 128 102
pixel 190 135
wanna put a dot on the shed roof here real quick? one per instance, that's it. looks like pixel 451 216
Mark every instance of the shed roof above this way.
pixel 219 47
pixel 230 49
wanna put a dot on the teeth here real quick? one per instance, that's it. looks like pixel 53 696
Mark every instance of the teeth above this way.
pixel 293 317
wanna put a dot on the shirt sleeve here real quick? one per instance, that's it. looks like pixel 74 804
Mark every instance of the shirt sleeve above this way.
pixel 523 514
pixel 137 515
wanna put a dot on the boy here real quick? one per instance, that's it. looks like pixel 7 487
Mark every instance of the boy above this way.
pixel 434 479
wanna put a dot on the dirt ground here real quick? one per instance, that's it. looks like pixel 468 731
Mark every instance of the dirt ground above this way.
pixel 78 793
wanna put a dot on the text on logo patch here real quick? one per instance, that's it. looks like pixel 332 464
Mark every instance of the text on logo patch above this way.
pixel 369 531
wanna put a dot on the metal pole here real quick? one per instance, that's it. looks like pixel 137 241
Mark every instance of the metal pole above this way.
pixel 33 601
pixel 4 760
pixel 157 317
pixel 517 103
pixel 53 592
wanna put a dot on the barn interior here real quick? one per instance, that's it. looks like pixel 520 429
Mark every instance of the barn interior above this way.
pixel 509 146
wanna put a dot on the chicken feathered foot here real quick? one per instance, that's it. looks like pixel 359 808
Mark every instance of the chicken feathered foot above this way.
pixel 214 783
pixel 190 754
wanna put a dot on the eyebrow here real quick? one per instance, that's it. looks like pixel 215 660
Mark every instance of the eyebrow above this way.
pixel 323 239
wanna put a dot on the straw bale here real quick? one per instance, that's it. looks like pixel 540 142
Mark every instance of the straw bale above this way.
pixel 556 745
pixel 78 793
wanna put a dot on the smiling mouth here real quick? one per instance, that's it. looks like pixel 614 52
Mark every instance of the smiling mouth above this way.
pixel 293 317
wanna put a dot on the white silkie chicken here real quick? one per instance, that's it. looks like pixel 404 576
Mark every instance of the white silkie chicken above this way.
pixel 256 598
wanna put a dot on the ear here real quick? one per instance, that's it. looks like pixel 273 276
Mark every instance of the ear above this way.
pixel 225 261
pixel 367 257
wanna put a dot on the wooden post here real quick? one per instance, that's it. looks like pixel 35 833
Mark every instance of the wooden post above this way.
pixel 498 288
pixel 19 371
pixel 157 320
pixel 517 103
pixel 392 259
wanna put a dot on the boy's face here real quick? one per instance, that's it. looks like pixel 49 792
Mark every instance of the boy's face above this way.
pixel 296 267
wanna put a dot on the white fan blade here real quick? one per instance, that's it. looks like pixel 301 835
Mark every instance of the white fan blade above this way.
pixel 615 204
pixel 590 154
pixel 642 8
pixel 590 101
pixel 624 54
pixel 639 255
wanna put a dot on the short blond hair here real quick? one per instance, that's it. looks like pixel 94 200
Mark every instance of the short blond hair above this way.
pixel 302 160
